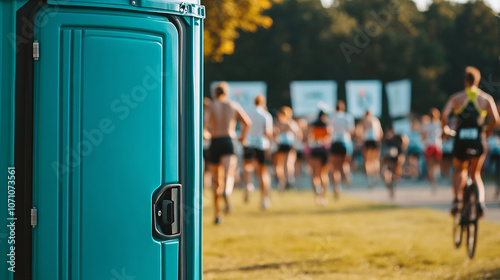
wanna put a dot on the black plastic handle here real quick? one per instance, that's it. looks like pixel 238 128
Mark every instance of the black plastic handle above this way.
pixel 166 204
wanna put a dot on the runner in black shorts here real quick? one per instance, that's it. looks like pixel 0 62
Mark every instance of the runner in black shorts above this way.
pixel 220 147
pixel 256 147
pixel 219 123
pixel 471 106
pixel 395 147
pixel 320 136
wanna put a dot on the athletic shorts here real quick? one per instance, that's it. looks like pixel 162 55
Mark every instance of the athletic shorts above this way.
pixel 206 153
pixel 461 149
pixel 320 153
pixel 300 155
pixel 447 155
pixel 284 148
pixel 341 148
pixel 220 147
pixel 433 152
pixel 253 153
pixel 372 144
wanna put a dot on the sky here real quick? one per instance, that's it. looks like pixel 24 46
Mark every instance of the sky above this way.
pixel 422 4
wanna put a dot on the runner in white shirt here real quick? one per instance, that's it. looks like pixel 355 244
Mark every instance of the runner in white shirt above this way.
pixel 432 133
pixel 342 147
pixel 256 149
pixel 372 132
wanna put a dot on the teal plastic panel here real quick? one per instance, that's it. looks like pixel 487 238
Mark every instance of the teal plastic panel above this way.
pixel 194 120
pixel 106 136
pixel 7 70
pixel 190 8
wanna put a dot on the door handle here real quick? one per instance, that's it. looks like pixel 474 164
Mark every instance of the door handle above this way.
pixel 166 204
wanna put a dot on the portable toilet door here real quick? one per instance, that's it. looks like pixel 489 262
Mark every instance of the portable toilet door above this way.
pixel 116 139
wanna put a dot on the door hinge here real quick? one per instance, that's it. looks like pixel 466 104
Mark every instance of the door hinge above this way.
pixel 36 50
pixel 34 217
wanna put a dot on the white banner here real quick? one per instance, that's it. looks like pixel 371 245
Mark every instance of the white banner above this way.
pixel 402 126
pixel 309 97
pixel 243 92
pixel 362 96
pixel 399 98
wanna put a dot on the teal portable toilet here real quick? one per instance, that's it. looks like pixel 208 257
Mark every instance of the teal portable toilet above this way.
pixel 100 139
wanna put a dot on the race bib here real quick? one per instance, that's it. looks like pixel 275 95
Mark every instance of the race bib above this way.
pixel 468 134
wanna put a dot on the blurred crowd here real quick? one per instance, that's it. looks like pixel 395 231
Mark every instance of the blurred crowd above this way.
pixel 280 149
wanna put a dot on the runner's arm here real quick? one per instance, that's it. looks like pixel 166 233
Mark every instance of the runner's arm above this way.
pixel 493 113
pixel 269 127
pixel 206 120
pixel 245 121
pixel 448 107
pixel 296 130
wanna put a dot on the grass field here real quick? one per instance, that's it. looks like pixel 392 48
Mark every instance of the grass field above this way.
pixel 347 239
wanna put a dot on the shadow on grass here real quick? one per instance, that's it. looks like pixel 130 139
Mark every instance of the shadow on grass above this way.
pixel 265 266
pixel 329 211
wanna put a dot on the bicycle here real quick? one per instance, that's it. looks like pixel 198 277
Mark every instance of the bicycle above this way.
pixel 467 218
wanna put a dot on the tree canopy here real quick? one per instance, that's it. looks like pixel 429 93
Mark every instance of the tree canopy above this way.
pixel 225 19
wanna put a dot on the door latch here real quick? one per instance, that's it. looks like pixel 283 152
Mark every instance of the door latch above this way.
pixel 167 211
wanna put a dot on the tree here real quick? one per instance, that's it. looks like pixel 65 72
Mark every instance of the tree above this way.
pixel 224 19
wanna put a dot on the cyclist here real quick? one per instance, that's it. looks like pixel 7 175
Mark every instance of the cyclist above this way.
pixel 471 106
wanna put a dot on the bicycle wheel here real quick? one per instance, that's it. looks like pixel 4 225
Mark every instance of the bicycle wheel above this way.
pixel 458 230
pixel 473 216
pixel 471 239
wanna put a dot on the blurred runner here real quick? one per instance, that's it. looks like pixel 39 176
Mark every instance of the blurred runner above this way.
pixel 431 133
pixel 300 147
pixel 494 160
pixel 319 138
pixel 286 132
pixel 395 146
pixel 221 117
pixel 415 149
pixel 256 148
pixel 342 147
pixel 207 177
pixel 372 133
pixel 447 161
pixel 471 106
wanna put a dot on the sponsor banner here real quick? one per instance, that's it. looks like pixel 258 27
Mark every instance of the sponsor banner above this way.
pixel 402 126
pixel 362 96
pixel 243 92
pixel 309 97
pixel 399 98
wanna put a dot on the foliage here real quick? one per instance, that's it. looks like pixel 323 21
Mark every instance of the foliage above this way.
pixel 226 17
pixel 369 39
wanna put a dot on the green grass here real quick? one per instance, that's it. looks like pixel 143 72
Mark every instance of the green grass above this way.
pixel 347 239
